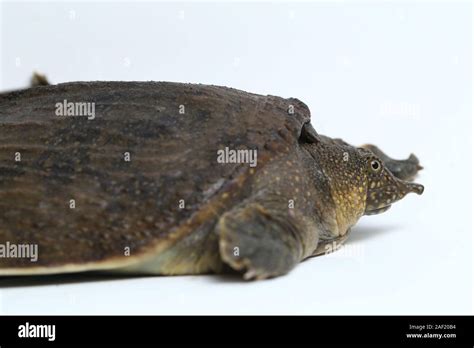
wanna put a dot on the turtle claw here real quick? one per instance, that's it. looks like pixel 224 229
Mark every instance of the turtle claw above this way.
pixel 413 159
pixel 257 274
pixel 404 169
pixel 252 274
pixel 249 275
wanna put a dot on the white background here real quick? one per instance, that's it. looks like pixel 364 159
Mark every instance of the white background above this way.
pixel 397 75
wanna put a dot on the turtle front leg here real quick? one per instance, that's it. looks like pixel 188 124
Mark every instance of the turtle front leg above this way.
pixel 402 169
pixel 260 241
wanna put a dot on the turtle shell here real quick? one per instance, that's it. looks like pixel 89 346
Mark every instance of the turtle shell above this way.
pixel 138 177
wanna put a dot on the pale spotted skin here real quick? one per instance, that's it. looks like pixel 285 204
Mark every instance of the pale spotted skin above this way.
pixel 385 188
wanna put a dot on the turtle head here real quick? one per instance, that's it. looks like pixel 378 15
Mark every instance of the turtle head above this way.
pixel 356 181
pixel 383 188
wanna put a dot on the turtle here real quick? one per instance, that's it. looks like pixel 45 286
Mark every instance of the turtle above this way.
pixel 178 179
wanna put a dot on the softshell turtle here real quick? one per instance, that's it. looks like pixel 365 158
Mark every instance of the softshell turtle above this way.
pixel 170 178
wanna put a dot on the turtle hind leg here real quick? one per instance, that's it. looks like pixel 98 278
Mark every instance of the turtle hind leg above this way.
pixel 258 242
pixel 402 169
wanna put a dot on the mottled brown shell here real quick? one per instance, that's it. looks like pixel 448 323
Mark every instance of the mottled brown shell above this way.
pixel 120 204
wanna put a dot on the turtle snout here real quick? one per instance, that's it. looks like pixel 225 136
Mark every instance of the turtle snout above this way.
pixel 407 187
pixel 416 188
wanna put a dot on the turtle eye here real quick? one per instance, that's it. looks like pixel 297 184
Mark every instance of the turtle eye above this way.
pixel 375 165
